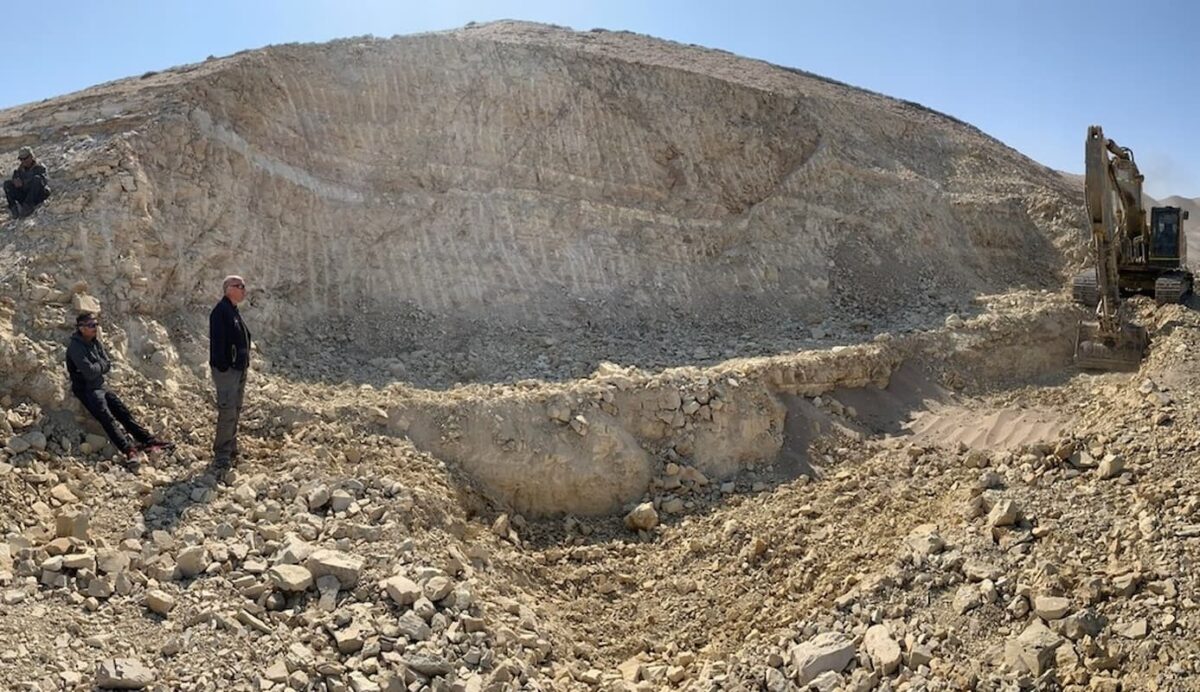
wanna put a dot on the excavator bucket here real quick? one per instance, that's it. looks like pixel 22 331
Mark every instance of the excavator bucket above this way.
pixel 1122 351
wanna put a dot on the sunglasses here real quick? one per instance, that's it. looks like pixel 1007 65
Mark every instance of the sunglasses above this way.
pixel 241 286
pixel 89 324
pixel 24 158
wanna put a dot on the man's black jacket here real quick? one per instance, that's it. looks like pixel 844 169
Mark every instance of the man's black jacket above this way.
pixel 27 175
pixel 228 338
pixel 86 363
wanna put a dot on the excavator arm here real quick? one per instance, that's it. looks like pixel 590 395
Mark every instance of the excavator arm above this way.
pixel 1112 192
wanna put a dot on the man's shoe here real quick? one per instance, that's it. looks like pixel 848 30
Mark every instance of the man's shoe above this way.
pixel 134 457
pixel 154 444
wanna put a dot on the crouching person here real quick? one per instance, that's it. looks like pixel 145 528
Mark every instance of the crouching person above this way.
pixel 87 364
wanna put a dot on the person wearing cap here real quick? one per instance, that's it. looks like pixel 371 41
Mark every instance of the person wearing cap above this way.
pixel 87 364
pixel 229 357
pixel 28 186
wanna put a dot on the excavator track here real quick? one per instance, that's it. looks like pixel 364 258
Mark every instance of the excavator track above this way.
pixel 1172 288
pixel 1084 289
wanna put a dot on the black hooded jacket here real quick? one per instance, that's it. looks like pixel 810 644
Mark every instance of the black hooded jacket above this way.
pixel 28 175
pixel 87 363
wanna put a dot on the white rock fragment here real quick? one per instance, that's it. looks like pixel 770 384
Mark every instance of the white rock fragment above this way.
pixel 883 650
pixel 123 674
pixel 290 578
pixel 344 566
pixel 826 652
pixel 642 518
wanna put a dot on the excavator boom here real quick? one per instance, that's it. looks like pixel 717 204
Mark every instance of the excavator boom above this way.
pixel 1112 191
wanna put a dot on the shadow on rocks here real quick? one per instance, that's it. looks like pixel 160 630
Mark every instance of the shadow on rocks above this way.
pixel 173 501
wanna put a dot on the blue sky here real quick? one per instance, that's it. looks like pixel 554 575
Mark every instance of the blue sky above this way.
pixel 1032 74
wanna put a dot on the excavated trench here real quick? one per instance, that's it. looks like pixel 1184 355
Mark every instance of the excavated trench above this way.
pixel 594 446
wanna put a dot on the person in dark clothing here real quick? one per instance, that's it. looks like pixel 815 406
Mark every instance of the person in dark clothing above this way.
pixel 28 186
pixel 229 357
pixel 87 364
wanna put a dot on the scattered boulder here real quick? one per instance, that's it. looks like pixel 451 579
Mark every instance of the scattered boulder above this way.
pixel 967 598
pixel 290 578
pixel 345 567
pixel 1004 513
pixel 642 518
pixel 160 601
pixel 826 652
pixel 1033 651
pixel 1111 466
pixel 123 674
pixel 402 590
pixel 1051 607
pixel 883 650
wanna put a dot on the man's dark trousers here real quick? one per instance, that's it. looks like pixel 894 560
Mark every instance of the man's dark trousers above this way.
pixel 29 195
pixel 104 406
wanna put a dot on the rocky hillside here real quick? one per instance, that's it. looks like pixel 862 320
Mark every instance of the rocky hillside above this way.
pixel 514 184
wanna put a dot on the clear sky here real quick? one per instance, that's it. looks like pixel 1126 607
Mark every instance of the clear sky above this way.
pixel 1032 73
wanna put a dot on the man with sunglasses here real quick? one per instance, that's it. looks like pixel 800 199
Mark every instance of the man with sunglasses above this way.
pixel 87 364
pixel 229 357
pixel 28 186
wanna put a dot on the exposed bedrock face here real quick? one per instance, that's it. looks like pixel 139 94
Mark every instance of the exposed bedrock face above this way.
pixel 539 178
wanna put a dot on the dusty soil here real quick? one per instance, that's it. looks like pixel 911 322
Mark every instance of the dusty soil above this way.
pixel 584 361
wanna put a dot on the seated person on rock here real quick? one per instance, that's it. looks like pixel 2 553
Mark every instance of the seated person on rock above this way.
pixel 87 363
pixel 28 186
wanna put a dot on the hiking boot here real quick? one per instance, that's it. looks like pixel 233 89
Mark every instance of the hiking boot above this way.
pixel 134 457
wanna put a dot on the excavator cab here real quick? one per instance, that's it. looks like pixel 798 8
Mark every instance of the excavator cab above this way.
pixel 1168 244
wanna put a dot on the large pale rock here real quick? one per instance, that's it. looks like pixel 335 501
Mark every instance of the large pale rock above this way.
pixel 71 523
pixel 413 626
pixel 437 588
pixel 111 561
pixel 925 540
pixel 1004 513
pixel 1110 467
pixel 123 674
pixel 160 601
pixel 642 518
pixel 830 651
pixel 344 566
pixel 402 590
pixel 192 560
pixel 290 578
pixel 967 598
pixel 1033 650
pixel 1135 629
pixel 82 302
pixel 883 650
pixel 1051 607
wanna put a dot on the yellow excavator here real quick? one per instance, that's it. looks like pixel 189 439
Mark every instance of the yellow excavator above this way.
pixel 1131 256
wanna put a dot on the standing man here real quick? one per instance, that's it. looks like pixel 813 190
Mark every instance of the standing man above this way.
pixel 229 356
pixel 87 363
pixel 28 186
